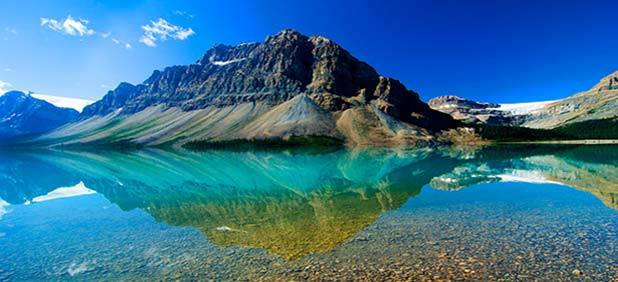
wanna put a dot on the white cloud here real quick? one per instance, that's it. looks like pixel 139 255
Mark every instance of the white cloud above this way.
pixel 7 69
pixel 148 41
pixel 10 30
pixel 4 87
pixel 116 41
pixel 120 42
pixel 161 30
pixel 184 34
pixel 68 26
pixel 64 102
pixel 183 14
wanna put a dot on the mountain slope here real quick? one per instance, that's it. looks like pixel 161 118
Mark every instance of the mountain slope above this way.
pixel 22 115
pixel 288 85
pixel 598 103
pixel 473 112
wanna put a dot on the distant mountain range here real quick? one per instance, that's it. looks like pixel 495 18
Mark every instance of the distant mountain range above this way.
pixel 22 115
pixel 295 88
pixel 598 103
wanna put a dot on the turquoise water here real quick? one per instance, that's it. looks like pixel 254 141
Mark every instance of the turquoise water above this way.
pixel 495 213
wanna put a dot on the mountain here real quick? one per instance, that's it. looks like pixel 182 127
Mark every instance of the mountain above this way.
pixel 600 102
pixel 474 112
pixel 288 85
pixel 588 168
pixel 596 104
pixel 22 115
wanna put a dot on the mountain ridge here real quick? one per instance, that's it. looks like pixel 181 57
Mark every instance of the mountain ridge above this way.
pixel 23 115
pixel 225 92
pixel 598 103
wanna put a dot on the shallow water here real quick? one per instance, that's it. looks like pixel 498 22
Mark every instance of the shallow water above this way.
pixel 497 213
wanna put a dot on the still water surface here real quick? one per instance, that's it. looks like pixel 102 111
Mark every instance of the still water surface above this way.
pixel 510 213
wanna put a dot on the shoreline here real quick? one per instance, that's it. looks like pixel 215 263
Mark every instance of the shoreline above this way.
pixel 574 142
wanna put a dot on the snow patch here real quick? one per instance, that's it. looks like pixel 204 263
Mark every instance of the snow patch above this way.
pixel 4 208
pixel 65 192
pixel 228 229
pixel 10 117
pixel 224 228
pixel 223 63
pixel 523 108
pixel 525 176
pixel 64 102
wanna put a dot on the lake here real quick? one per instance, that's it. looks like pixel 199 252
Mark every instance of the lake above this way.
pixel 525 212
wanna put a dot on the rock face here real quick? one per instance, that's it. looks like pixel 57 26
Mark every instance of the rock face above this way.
pixel 22 115
pixel 233 92
pixel 600 102
pixel 473 112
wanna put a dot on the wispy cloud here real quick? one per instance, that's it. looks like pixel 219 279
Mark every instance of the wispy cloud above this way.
pixel 184 34
pixel 161 30
pixel 183 14
pixel 116 41
pixel 7 69
pixel 4 87
pixel 68 26
pixel 126 45
pixel 10 30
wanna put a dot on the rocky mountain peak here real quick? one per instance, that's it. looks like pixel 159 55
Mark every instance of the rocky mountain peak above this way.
pixel 609 82
pixel 598 103
pixel 117 98
pixel 285 35
pixel 286 64
pixel 270 74
pixel 318 39
pixel 473 112
pixel 222 54
pixel 456 101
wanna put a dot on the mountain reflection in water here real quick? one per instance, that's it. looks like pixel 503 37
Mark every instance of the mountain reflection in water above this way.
pixel 293 203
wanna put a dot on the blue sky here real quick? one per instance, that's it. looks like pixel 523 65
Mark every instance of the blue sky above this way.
pixel 497 51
